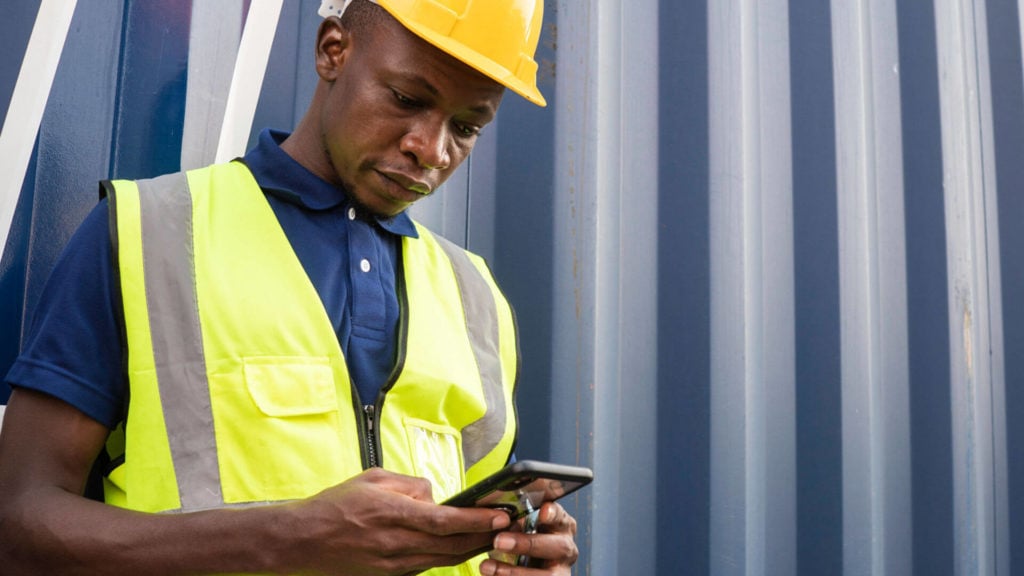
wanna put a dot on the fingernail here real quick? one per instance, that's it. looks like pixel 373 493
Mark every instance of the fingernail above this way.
pixel 500 521
pixel 488 568
pixel 504 542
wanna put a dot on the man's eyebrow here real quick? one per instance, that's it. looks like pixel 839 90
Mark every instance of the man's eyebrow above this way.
pixel 414 78
pixel 483 111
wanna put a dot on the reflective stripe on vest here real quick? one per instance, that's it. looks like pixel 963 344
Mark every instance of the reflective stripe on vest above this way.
pixel 169 299
pixel 166 209
pixel 483 435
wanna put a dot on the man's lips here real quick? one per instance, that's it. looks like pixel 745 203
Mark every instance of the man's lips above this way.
pixel 407 182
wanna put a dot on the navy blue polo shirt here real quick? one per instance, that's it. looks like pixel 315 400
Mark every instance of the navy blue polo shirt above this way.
pixel 73 349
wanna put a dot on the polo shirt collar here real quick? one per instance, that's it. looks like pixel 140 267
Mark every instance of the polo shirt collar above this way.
pixel 280 175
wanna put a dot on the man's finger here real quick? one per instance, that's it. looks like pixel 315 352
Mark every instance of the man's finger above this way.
pixel 553 518
pixel 449 520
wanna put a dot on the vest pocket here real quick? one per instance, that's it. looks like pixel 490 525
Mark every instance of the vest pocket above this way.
pixel 436 452
pixel 280 437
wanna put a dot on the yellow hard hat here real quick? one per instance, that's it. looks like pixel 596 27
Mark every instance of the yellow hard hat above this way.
pixel 496 37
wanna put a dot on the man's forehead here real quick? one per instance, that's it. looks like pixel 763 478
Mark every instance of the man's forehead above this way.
pixel 398 54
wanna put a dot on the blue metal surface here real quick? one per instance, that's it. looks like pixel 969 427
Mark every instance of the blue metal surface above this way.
pixel 150 109
pixel 13 274
pixel 17 18
pixel 80 109
pixel 816 234
pixel 72 155
pixel 683 262
pixel 931 435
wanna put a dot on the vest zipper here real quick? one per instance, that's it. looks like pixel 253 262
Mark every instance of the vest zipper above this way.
pixel 369 411
pixel 369 414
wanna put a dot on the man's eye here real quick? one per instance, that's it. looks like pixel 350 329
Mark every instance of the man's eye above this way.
pixel 403 99
pixel 467 129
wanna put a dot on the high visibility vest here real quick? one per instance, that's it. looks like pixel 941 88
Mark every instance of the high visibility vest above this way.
pixel 239 392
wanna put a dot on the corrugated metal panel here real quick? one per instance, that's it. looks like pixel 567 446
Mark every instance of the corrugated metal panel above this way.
pixel 766 257
pixel 829 446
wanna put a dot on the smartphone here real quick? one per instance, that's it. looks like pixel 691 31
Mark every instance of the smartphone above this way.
pixel 523 487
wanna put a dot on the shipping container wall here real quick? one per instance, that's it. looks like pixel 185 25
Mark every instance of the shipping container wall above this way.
pixel 767 256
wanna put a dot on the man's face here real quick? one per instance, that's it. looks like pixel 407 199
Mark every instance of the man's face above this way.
pixel 400 117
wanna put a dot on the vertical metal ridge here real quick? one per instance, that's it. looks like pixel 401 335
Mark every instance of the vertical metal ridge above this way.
pixel 214 35
pixel 751 231
pixel 604 258
pixel 247 78
pixel 965 97
pixel 892 447
pixel 875 445
pixel 572 421
pixel 626 289
pixel 728 402
pixel 753 502
pixel 989 275
pixel 1007 93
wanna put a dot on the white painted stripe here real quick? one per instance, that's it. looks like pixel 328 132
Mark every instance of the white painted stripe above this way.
pixel 247 81
pixel 28 102
pixel 3 407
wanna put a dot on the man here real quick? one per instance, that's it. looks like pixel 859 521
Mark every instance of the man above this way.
pixel 295 372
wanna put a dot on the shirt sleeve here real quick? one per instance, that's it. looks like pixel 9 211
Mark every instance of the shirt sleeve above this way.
pixel 73 349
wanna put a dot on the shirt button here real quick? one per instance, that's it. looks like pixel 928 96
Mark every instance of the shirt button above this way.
pixel 364 265
pixel 351 213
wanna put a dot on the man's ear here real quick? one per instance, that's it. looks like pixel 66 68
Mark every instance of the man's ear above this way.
pixel 332 41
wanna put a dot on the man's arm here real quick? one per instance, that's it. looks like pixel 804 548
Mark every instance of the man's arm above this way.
pixel 375 523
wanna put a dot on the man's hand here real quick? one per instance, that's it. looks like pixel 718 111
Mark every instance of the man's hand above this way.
pixel 552 549
pixel 381 523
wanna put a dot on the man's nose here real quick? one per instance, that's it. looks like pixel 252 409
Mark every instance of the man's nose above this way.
pixel 427 142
